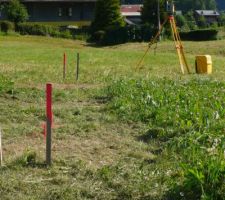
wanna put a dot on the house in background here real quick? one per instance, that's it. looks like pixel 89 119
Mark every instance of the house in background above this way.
pixel 58 10
pixel 73 12
pixel 211 16
pixel 131 13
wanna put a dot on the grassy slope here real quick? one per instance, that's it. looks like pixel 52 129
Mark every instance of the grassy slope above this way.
pixel 95 155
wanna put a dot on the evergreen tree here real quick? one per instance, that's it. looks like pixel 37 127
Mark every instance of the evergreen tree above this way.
pixel 107 15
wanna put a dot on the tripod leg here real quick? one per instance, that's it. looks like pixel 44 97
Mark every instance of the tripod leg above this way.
pixel 151 43
pixel 177 46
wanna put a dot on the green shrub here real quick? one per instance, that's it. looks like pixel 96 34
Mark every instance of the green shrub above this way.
pixel 205 177
pixel 200 35
pixel 119 35
pixel 98 36
pixel 65 34
pixel 27 159
pixel 44 30
pixel 115 36
pixel 37 29
pixel 6 26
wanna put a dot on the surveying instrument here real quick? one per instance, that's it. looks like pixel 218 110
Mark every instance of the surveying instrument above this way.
pixel 170 8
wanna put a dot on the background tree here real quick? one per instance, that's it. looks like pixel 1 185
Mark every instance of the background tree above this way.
pixel 222 19
pixel 181 21
pixel 16 12
pixel 107 15
pixel 191 20
pixel 149 12
pixel 202 22
pixel 188 5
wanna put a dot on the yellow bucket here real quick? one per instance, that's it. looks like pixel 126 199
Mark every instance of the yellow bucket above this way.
pixel 203 64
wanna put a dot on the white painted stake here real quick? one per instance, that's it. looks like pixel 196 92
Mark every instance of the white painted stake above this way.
pixel 1 158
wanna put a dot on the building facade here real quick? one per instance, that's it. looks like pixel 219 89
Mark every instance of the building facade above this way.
pixel 71 11
pixel 58 10
pixel 211 16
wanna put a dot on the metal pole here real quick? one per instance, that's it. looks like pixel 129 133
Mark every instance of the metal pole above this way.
pixel 78 65
pixel 64 66
pixel 48 123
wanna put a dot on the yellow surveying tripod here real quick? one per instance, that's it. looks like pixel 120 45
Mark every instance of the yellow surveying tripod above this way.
pixel 176 38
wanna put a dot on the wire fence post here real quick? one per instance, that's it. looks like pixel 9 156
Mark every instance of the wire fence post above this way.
pixel 78 66
pixel 64 66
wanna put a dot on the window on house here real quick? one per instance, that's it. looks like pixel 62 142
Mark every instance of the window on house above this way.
pixel 70 12
pixel 60 12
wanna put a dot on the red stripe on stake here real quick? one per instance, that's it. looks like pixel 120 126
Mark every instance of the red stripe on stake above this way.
pixel 44 130
pixel 49 102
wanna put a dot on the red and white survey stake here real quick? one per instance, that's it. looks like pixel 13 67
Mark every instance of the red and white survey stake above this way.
pixel 49 102
pixel 48 123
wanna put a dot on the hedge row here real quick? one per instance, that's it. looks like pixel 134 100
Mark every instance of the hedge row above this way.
pixel 145 33
pixel 44 30
pixel 120 35
pixel 111 36
pixel 200 35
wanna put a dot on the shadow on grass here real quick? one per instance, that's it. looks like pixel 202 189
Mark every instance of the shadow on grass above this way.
pixel 27 159
pixel 161 134
pixel 102 99
pixel 180 192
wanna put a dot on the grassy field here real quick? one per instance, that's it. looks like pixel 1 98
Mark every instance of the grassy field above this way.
pixel 119 133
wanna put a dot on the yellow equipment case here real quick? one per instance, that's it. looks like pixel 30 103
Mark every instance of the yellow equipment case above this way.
pixel 203 64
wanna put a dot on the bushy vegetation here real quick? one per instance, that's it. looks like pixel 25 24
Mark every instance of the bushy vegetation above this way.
pixel 44 30
pixel 200 35
pixel 188 117
pixel 16 12
pixel 6 26
pixel 124 34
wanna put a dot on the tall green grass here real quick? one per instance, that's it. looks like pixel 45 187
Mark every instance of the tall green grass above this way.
pixel 188 118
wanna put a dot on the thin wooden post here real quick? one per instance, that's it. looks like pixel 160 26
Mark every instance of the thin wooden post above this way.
pixel 64 66
pixel 1 156
pixel 48 123
pixel 78 66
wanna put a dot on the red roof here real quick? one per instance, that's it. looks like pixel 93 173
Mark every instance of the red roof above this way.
pixel 130 8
